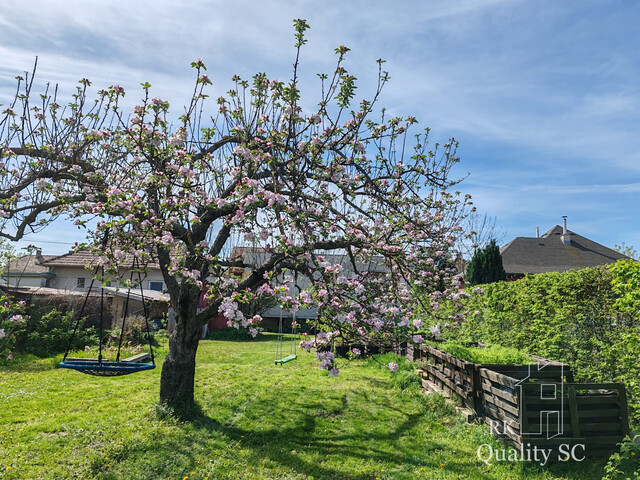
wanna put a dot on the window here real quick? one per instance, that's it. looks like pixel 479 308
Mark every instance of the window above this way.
pixel 80 282
pixel 157 286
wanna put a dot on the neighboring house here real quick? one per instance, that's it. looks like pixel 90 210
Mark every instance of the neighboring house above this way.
pixel 27 271
pixel 258 256
pixel 70 275
pixel 73 271
pixel 123 300
pixel 557 250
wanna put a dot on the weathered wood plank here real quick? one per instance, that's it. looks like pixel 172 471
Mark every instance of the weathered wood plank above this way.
pixel 448 357
pixel 505 434
pixel 449 383
pixel 601 427
pixel 498 377
pixel 502 416
pixel 500 403
pixel 598 399
pixel 487 386
pixel 624 409
pixel 578 386
pixel 587 414
pixel 141 357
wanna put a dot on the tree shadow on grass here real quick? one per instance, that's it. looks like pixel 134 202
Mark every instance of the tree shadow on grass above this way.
pixel 292 446
pixel 277 443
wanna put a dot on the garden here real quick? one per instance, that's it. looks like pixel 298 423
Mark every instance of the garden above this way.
pixel 253 420
pixel 233 202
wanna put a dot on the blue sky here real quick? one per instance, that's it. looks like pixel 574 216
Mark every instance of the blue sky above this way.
pixel 543 95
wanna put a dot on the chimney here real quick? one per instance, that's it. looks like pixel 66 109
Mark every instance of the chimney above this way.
pixel 39 258
pixel 566 236
pixel 537 232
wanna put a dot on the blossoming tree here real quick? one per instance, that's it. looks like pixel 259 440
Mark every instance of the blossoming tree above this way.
pixel 258 169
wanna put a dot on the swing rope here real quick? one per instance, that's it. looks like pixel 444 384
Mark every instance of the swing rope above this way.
pixel 292 349
pixel 280 359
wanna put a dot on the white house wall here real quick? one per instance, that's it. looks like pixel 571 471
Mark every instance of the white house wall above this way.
pixel 23 280
pixel 66 278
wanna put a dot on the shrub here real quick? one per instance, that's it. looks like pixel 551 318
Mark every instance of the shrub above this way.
pixel 486 266
pixel 619 362
pixel 586 318
pixel 231 333
pixel 52 333
pixel 136 332
pixel 625 464
pixel 13 321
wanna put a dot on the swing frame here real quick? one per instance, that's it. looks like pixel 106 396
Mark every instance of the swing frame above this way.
pixel 105 368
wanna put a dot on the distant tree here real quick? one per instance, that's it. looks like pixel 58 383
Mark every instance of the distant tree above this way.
pixel 7 253
pixel 478 230
pixel 627 250
pixel 486 266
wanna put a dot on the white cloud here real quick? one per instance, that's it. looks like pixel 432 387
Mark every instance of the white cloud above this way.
pixel 543 95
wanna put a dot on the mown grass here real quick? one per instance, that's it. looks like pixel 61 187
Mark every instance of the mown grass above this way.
pixel 255 420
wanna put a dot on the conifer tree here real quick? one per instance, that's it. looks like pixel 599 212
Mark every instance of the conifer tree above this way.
pixel 486 266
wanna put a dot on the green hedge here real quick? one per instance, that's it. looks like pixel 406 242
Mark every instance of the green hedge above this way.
pixel 587 318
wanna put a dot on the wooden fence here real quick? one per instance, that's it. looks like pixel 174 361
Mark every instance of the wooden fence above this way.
pixel 533 405
pixel 535 411
pixel 459 377
pixel 449 373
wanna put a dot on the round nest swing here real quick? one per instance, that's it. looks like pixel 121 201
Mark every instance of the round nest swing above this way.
pixel 105 368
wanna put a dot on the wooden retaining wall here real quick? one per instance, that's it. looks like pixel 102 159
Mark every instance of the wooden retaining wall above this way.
pixel 537 405
pixel 456 376
pixel 535 411
pixel 449 373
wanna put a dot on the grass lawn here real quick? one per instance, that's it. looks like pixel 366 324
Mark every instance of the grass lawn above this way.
pixel 256 421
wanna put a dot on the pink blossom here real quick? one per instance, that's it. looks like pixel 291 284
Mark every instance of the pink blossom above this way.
pixel 393 367
pixel 435 330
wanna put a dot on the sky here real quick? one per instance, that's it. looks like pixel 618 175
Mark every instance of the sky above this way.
pixel 543 96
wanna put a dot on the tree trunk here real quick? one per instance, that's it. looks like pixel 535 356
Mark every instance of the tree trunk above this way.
pixel 179 367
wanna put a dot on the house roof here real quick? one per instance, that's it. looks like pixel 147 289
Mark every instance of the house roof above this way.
pixel 71 259
pixel 29 265
pixel 48 291
pixel 84 258
pixel 134 294
pixel 549 254
pixel 258 256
